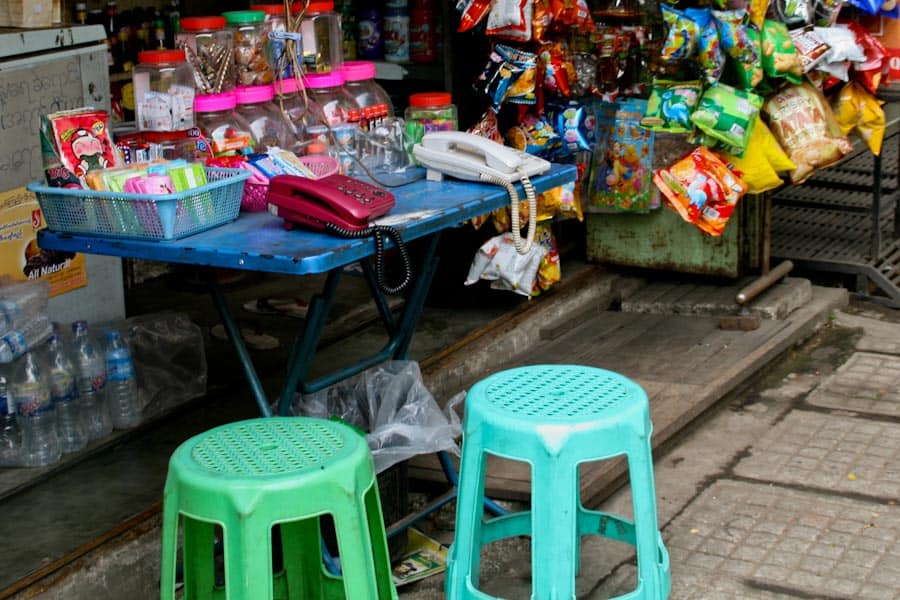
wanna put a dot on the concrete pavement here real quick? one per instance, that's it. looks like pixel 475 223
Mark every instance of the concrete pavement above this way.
pixel 787 488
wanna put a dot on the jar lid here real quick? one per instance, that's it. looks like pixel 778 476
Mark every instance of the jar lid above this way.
pixel 201 23
pixel 212 102
pixel 320 6
pixel 324 80
pixel 269 9
pixel 160 56
pixel 358 70
pixel 250 94
pixel 287 86
pixel 430 99
pixel 233 17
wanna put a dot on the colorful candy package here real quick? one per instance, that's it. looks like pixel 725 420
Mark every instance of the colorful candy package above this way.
pixel 670 106
pixel 709 52
pixel 511 19
pixel 727 114
pixel 702 189
pixel 749 74
pixel 549 272
pixel 535 135
pixel 779 57
pixel 682 37
pixel 732 27
pixel 522 89
pixel 805 127
pixel 572 124
pixel 855 108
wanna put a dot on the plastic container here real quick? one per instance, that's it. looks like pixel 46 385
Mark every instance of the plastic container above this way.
pixel 275 22
pixel 27 335
pixel 64 395
pixel 249 30
pixel 224 131
pixel 270 128
pixel 30 392
pixel 121 383
pixel 11 448
pixel 323 50
pixel 163 91
pixel 396 34
pixel 374 102
pixel 205 41
pixel 422 40
pixel 429 111
pixel 287 92
pixel 90 376
pixel 144 216
pixel 369 34
pixel 338 112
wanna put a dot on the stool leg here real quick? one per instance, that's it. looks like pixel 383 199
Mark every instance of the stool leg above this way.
pixel 643 497
pixel 302 559
pixel 464 562
pixel 554 513
pixel 361 581
pixel 380 554
pixel 248 560
pixel 169 547
pixel 199 561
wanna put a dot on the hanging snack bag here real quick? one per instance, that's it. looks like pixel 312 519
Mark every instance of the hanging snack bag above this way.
pixel 762 137
pixel 701 189
pixel 754 166
pixel 682 37
pixel 855 108
pixel 793 13
pixel 871 72
pixel 522 89
pixel 727 114
pixel 749 73
pixel 670 106
pixel 805 127
pixel 810 47
pixel 709 52
pixel 779 56
pixel 758 10
pixel 511 19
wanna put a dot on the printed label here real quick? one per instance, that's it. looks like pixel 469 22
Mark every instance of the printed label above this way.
pixel 32 399
pixel 119 368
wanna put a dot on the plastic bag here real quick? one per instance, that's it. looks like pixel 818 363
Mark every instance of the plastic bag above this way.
pixel 392 405
pixel 169 359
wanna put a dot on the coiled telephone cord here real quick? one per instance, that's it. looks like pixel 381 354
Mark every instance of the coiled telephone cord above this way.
pixel 514 210
pixel 378 232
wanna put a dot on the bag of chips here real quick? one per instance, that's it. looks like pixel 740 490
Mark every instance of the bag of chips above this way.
pixel 701 189
pixel 670 106
pixel 855 108
pixel 682 37
pixel 756 166
pixel 709 52
pixel 806 128
pixel 779 56
pixel 727 114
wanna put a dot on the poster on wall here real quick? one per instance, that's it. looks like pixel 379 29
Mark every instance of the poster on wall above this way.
pixel 20 256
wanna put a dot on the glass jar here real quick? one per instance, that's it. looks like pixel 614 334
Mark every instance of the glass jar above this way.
pixel 224 131
pixel 396 34
pixel 250 63
pixel 275 22
pixel 323 50
pixel 206 43
pixel 269 126
pixel 374 102
pixel 163 91
pixel 429 111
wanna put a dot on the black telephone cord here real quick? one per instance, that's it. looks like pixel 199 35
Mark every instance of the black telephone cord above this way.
pixel 378 232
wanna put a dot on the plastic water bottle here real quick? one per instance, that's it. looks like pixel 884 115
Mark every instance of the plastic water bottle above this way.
pixel 90 368
pixel 10 432
pixel 30 391
pixel 27 336
pixel 121 383
pixel 64 394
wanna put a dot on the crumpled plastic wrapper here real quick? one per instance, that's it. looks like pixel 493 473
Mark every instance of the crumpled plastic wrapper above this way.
pixel 498 261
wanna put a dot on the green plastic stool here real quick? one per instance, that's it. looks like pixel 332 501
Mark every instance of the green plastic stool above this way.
pixel 555 417
pixel 251 475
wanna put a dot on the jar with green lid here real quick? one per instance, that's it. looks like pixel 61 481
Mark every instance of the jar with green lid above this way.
pixel 429 111
pixel 249 30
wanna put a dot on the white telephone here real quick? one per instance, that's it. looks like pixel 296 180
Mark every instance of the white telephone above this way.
pixel 475 158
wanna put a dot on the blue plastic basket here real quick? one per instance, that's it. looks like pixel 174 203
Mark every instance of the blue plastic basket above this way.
pixel 144 216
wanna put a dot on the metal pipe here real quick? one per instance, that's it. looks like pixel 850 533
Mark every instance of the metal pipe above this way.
pixel 764 282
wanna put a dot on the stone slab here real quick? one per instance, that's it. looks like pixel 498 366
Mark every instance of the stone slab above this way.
pixel 866 383
pixel 840 453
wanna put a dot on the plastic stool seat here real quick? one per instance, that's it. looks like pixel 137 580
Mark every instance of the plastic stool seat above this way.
pixel 555 417
pixel 251 475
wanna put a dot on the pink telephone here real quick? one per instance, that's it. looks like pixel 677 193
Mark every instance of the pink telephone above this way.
pixel 343 202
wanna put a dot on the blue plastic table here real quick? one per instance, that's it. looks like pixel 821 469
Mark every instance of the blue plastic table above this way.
pixel 259 242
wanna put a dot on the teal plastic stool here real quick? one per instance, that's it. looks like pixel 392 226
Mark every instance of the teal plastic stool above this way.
pixel 555 417
pixel 251 475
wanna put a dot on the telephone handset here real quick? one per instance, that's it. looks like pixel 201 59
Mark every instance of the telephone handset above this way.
pixel 342 206
pixel 476 158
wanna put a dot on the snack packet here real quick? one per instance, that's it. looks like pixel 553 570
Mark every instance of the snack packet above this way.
pixel 709 52
pixel 511 19
pixel 682 37
pixel 727 114
pixel 810 47
pixel 549 272
pixel 754 166
pixel 701 189
pixel 670 106
pixel 805 127
pixel 498 261
pixel 855 108
pixel 779 56
pixel 82 140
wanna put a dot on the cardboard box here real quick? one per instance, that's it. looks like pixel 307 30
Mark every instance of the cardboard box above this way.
pixel 26 13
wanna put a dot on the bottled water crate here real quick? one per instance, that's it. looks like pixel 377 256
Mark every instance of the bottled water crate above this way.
pixel 144 216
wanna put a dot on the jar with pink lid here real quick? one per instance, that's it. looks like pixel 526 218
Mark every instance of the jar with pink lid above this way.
pixel 223 130
pixel 374 102
pixel 335 123
pixel 270 127
pixel 289 98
